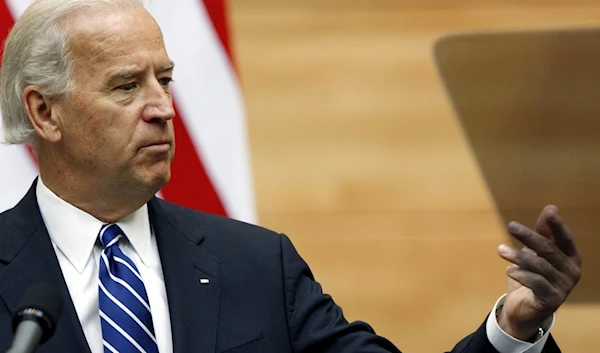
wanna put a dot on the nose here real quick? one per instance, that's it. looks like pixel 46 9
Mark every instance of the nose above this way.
pixel 159 104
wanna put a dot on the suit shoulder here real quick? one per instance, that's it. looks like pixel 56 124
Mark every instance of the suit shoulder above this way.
pixel 24 215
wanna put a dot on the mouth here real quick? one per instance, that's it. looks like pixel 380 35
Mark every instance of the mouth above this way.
pixel 158 146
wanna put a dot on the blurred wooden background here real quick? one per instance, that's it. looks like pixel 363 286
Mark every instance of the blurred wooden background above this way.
pixel 360 159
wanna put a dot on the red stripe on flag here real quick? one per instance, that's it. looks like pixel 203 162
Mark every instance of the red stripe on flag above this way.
pixel 190 186
pixel 6 23
pixel 217 11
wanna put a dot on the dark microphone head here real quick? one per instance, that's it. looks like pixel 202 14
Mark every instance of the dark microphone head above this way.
pixel 42 304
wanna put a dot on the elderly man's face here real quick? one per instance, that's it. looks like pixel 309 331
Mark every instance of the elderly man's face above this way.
pixel 116 124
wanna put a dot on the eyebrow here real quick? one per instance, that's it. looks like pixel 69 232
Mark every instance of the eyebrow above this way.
pixel 170 66
pixel 131 73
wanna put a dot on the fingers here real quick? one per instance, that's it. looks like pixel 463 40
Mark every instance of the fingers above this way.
pixel 563 237
pixel 527 260
pixel 536 282
pixel 541 226
pixel 541 245
pixel 543 289
pixel 550 225
pixel 549 254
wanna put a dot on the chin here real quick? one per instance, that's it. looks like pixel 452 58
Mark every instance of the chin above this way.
pixel 149 179
pixel 159 181
pixel 151 183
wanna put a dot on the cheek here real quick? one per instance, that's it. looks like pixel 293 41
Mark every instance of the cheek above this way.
pixel 96 127
pixel 83 119
pixel 106 129
pixel 91 132
pixel 110 127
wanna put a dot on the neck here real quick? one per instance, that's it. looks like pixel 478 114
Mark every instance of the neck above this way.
pixel 108 203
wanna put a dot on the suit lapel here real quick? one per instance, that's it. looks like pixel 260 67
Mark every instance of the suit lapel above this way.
pixel 29 258
pixel 192 281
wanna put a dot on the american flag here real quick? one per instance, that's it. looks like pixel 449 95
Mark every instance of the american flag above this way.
pixel 211 169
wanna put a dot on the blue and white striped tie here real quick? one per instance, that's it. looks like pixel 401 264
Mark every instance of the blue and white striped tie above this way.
pixel 125 314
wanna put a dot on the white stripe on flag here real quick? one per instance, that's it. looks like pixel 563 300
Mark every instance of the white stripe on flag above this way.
pixel 208 96
pixel 17 7
pixel 17 171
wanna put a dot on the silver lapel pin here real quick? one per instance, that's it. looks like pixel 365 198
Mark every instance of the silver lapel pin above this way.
pixel 204 280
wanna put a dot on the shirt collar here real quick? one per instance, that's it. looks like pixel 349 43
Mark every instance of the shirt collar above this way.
pixel 75 232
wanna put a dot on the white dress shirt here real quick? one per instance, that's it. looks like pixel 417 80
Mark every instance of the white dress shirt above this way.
pixel 505 343
pixel 74 234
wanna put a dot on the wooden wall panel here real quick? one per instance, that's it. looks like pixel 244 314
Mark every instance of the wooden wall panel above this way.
pixel 529 103
pixel 358 157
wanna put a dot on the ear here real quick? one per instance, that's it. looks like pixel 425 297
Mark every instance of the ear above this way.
pixel 42 113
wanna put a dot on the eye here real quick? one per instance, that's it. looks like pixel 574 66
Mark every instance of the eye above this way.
pixel 165 81
pixel 127 87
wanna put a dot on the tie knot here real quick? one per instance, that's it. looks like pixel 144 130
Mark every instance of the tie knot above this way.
pixel 110 234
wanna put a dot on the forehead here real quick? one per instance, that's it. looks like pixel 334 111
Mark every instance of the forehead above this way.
pixel 104 36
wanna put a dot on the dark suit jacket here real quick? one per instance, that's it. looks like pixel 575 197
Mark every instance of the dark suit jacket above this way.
pixel 261 297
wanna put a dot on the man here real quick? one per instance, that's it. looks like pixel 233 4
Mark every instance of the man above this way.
pixel 86 82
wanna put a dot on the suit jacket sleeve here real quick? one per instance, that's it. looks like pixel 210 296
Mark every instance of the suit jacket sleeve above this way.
pixel 478 342
pixel 317 324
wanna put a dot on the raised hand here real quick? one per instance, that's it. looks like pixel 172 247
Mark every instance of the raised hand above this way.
pixel 542 275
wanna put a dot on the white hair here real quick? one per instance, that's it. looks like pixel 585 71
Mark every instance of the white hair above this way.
pixel 36 52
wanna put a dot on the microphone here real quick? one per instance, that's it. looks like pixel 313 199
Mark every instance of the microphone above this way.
pixel 35 319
